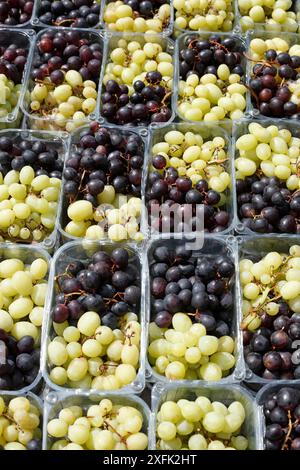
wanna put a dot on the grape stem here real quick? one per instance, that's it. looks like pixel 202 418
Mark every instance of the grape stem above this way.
pixel 122 439
pixel 67 20
pixel 10 418
pixel 288 435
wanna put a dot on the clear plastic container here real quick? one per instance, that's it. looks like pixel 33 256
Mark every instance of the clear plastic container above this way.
pixel 216 392
pixel 255 248
pixel 179 45
pixel 34 400
pixel 27 254
pixel 291 39
pixel 213 246
pixel 261 397
pixel 25 25
pixel 207 131
pixel 273 29
pixel 111 43
pixel 241 128
pixel 55 402
pixel 36 22
pixel 73 142
pixel 35 121
pixel 167 31
pixel 23 39
pixel 235 26
pixel 83 251
pixel 57 141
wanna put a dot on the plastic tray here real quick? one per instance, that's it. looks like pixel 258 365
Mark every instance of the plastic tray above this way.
pixel 235 28
pixel 273 29
pixel 226 394
pixel 256 248
pixel 55 402
pixel 34 400
pixel 241 128
pixel 57 141
pixel 207 131
pixel 166 31
pixel 75 251
pixel 213 246
pixel 25 25
pixel 73 142
pixel 291 39
pixel 36 22
pixel 34 121
pixel 111 43
pixel 205 35
pixel 27 254
pixel 263 394
pixel 23 39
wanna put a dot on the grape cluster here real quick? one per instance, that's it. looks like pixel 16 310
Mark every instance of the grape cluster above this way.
pixel 211 75
pixel 30 177
pixel 200 288
pixel 98 333
pixel 69 13
pixel 282 414
pixel 65 76
pixel 271 323
pixel 276 15
pixel 15 12
pixel 21 423
pixel 186 351
pixel 187 171
pixel 214 15
pixel 22 297
pixel 274 78
pixel 267 183
pixel 103 185
pixel 137 84
pixel 101 426
pixel 12 63
pixel 151 16
pixel 200 424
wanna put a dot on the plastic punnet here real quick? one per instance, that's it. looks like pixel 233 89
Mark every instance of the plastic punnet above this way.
pixel 27 254
pixel 216 392
pixel 82 251
pixel 111 43
pixel 213 246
